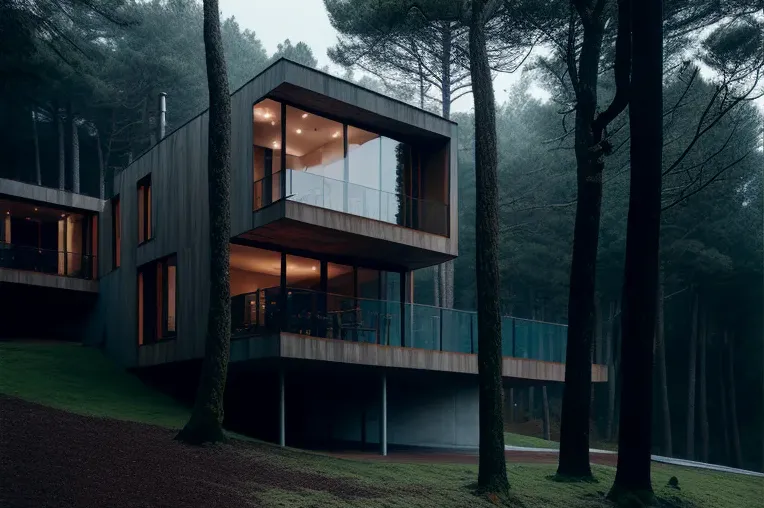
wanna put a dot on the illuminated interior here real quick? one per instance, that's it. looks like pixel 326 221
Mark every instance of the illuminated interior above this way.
pixel 46 239
pixel 346 168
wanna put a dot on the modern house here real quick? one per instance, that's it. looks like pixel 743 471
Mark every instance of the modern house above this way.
pixel 337 195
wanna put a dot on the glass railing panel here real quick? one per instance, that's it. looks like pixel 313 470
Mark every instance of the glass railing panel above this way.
pixel 457 331
pixel 318 190
pixel 51 262
pixel 423 326
pixel 507 337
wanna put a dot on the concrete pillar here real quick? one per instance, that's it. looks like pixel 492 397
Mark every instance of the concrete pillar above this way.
pixel 282 410
pixel 383 417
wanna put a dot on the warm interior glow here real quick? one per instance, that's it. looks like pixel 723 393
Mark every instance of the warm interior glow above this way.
pixel 171 272
pixel 305 115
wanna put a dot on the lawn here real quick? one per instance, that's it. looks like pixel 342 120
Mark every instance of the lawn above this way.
pixel 83 381
pixel 511 439
pixel 80 380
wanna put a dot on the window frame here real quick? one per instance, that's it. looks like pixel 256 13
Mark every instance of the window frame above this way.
pixel 145 229
pixel 158 318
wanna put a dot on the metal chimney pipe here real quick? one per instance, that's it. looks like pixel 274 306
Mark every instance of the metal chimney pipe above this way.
pixel 162 123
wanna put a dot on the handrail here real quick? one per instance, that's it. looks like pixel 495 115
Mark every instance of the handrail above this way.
pixel 322 177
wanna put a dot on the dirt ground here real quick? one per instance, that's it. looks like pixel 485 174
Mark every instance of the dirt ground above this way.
pixel 53 458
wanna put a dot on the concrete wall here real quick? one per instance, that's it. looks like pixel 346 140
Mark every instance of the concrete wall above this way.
pixel 424 409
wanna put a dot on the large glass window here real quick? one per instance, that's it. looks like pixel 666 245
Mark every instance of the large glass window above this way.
pixel 266 121
pixel 340 279
pixel 255 289
pixel 345 168
pixel 315 152
pixel 303 273
pixel 157 300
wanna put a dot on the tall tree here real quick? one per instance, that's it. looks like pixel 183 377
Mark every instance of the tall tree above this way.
pixel 642 264
pixel 205 424
pixel 590 151
pixel 492 472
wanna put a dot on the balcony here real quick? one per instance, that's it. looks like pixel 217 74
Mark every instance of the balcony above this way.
pixel 387 323
pixel 342 196
pixel 51 262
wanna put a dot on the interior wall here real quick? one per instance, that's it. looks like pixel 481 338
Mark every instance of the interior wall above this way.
pixel 243 281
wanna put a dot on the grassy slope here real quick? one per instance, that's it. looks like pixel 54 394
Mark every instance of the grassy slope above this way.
pixel 81 380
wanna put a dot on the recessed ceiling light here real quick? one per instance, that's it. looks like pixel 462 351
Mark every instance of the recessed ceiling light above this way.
pixel 63 215
pixel 299 131
pixel 35 209
pixel 305 115
pixel 28 218
pixel 273 122
pixel 313 268
pixel 336 135
pixel 8 212
pixel 267 114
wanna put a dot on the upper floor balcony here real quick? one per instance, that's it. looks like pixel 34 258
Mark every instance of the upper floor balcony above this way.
pixel 44 245
pixel 338 170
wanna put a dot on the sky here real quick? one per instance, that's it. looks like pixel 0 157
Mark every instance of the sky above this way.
pixel 307 21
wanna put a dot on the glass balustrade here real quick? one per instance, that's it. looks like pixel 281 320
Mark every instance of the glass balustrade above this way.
pixel 332 194
pixel 53 262
pixel 388 323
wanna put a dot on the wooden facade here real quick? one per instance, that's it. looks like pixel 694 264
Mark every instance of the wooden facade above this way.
pixel 179 203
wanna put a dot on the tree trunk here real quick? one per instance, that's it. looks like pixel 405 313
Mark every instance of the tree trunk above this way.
pixel 447 281
pixel 205 424
pixel 101 169
pixel 734 429
pixel 546 423
pixel 704 438
pixel 61 146
pixel 73 142
pixel 36 140
pixel 576 400
pixel 660 360
pixel 690 432
pixel 610 361
pixel 641 267
pixel 492 468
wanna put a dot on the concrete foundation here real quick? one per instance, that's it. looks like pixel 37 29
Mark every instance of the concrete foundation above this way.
pixel 327 406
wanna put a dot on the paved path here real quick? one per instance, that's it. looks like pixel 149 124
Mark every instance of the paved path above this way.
pixel 655 458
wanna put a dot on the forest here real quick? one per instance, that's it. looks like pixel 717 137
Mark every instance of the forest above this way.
pixel 81 105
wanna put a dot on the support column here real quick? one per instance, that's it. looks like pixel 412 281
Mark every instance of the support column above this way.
pixel 282 410
pixel 383 417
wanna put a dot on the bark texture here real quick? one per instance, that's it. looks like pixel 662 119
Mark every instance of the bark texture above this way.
pixel 692 348
pixel 660 361
pixel 641 268
pixel 73 144
pixel 61 146
pixel 576 400
pixel 610 359
pixel 205 424
pixel 492 472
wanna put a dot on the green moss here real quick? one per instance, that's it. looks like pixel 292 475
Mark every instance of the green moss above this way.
pixel 511 439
